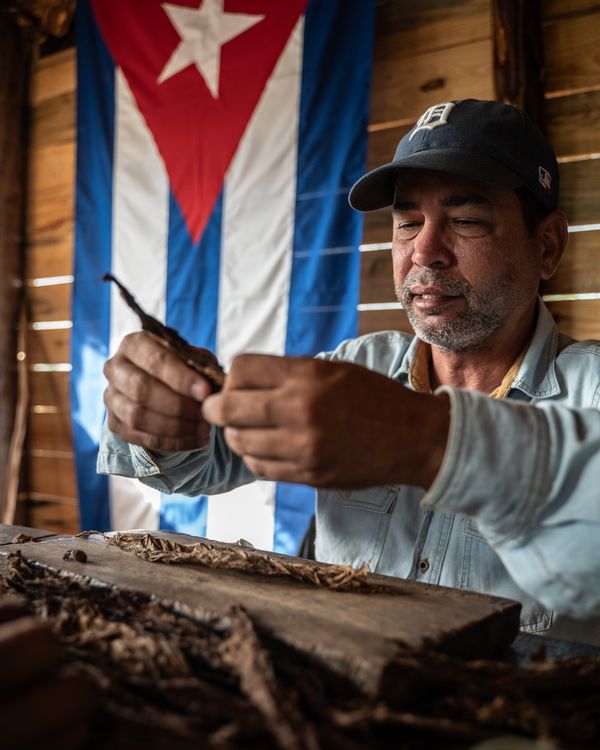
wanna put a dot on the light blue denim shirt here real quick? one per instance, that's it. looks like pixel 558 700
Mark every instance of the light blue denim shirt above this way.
pixel 514 510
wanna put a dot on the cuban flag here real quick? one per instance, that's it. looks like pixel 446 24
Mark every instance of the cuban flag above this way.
pixel 217 141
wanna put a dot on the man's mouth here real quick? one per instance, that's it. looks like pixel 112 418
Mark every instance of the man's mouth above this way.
pixel 430 300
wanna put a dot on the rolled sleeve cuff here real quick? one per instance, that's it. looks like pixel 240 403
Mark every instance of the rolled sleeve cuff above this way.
pixel 494 465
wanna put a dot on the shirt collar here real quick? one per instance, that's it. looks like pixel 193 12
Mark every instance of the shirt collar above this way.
pixel 536 374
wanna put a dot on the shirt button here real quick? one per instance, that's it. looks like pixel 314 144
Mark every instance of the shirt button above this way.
pixel 424 565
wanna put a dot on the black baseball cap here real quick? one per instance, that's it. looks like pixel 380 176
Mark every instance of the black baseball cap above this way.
pixel 486 141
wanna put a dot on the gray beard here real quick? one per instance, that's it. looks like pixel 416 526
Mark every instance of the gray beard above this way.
pixel 484 315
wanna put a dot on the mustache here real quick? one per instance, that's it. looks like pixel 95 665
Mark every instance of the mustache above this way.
pixel 438 280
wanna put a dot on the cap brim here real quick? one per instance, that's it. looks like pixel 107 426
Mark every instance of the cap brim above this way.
pixel 376 189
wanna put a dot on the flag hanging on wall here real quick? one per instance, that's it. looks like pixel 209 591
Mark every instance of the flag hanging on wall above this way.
pixel 217 141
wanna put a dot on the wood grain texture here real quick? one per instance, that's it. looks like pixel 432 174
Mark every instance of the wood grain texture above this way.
pixel 405 87
pixel 580 191
pixel 50 302
pixel 53 121
pixel 56 514
pixel 49 346
pixel 572 54
pixel 376 277
pixel 552 9
pixel 52 476
pixel 361 634
pixel 377 226
pixel 49 389
pixel 50 253
pixel 53 76
pixel 579 270
pixel 404 30
pixel 572 124
pixel 51 186
pixel 50 431
pixel 579 318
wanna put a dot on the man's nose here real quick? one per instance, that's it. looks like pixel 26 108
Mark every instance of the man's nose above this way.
pixel 431 246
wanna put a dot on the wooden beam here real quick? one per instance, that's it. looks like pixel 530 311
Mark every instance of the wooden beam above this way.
pixel 518 56
pixel 15 63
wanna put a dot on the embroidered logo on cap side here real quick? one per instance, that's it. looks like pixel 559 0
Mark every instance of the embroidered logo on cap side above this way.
pixel 433 118
pixel 545 178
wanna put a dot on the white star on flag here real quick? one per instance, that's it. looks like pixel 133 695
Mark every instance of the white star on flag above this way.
pixel 203 31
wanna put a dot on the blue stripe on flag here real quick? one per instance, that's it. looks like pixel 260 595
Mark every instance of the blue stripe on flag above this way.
pixel 91 298
pixel 324 293
pixel 192 306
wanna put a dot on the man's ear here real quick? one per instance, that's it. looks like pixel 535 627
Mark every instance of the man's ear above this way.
pixel 551 235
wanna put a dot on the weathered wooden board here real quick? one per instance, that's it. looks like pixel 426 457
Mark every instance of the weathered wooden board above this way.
pixel 382 144
pixel 578 318
pixel 359 633
pixel 377 226
pixel 572 124
pixel 51 182
pixel 572 54
pixel 53 76
pixel 50 253
pixel 53 121
pixel 50 431
pixel 51 475
pixel 550 9
pixel 405 29
pixel 376 277
pixel 8 533
pixel 579 270
pixel 580 190
pixel 49 389
pixel 407 86
pixel 50 302
pixel 49 345
pixel 59 514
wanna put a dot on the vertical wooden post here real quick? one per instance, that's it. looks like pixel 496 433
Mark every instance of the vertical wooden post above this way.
pixel 15 61
pixel 518 56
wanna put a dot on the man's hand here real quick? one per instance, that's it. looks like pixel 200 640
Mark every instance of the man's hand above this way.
pixel 153 398
pixel 39 708
pixel 329 424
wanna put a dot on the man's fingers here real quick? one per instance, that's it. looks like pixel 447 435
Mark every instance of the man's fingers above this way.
pixel 264 370
pixel 158 441
pixel 241 409
pixel 27 649
pixel 270 443
pixel 142 388
pixel 141 418
pixel 148 354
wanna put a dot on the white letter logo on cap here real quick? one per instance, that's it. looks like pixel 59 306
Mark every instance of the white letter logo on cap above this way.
pixel 545 178
pixel 433 117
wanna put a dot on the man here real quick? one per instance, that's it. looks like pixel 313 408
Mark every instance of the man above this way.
pixel 420 473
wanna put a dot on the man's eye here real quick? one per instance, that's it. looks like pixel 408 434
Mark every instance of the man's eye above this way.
pixel 407 229
pixel 471 227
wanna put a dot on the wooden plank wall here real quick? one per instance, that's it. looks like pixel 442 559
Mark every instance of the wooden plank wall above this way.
pixel 424 53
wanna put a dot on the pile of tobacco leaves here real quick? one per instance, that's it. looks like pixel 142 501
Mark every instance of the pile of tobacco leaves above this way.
pixel 168 680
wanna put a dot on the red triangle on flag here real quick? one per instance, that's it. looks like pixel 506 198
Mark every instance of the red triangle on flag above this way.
pixel 197 69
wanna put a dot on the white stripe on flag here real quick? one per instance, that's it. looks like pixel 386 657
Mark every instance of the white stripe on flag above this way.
pixel 140 223
pixel 256 262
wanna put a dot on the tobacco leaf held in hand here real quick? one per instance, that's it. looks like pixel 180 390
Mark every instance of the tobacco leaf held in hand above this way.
pixel 199 360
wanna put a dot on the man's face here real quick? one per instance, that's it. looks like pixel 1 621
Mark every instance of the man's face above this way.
pixel 465 268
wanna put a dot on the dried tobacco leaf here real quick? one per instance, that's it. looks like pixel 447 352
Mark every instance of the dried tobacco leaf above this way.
pixel 199 360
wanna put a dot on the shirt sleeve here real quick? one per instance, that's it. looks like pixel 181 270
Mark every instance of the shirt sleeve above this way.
pixel 210 471
pixel 530 476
